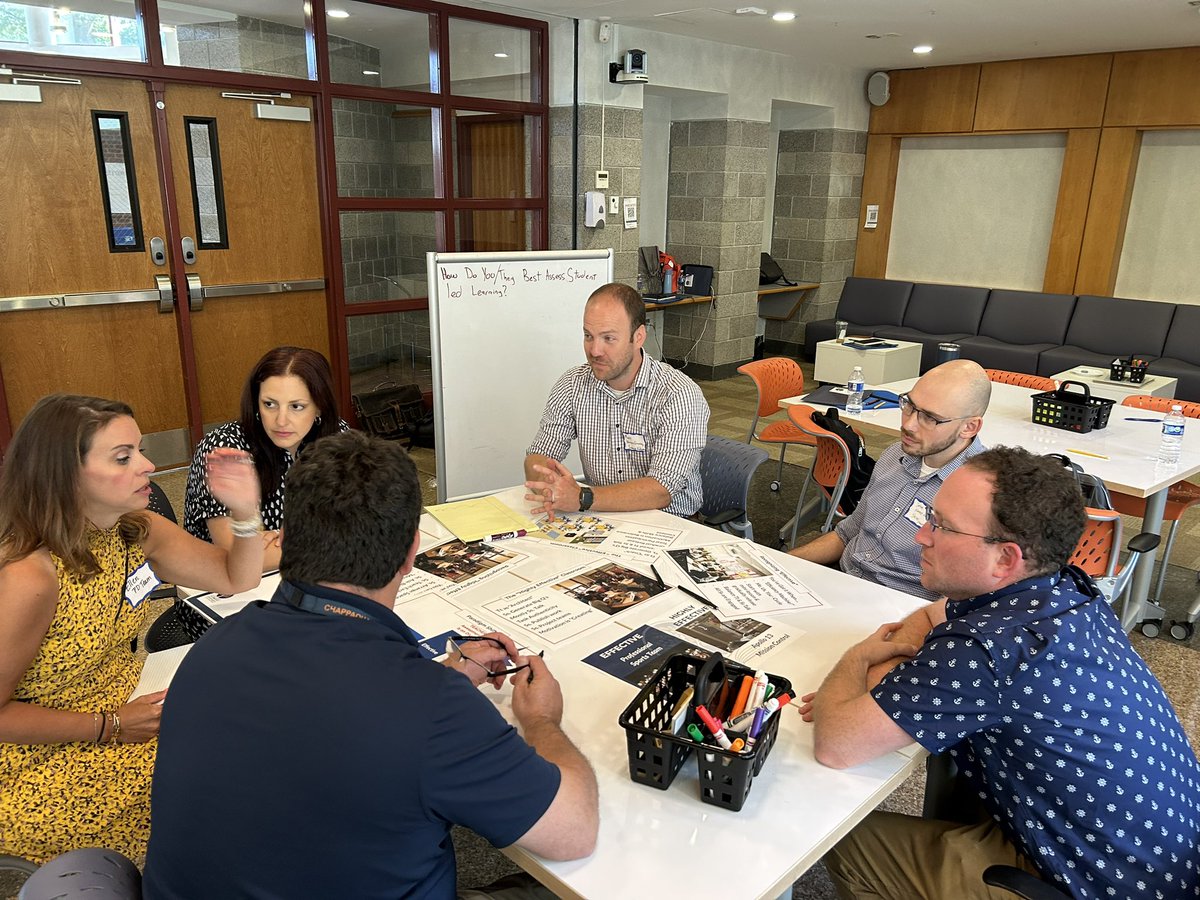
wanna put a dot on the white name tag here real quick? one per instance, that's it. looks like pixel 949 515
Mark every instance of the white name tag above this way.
pixel 918 513
pixel 635 441
pixel 140 583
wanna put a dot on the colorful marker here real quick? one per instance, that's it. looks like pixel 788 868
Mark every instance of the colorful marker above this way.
pixel 760 716
pixel 743 695
pixel 696 734
pixel 714 728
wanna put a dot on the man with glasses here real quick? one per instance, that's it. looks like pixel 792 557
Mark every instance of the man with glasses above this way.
pixel 940 421
pixel 1025 676
pixel 308 749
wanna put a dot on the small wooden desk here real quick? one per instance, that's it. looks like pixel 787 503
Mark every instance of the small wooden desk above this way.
pixel 686 300
pixel 780 302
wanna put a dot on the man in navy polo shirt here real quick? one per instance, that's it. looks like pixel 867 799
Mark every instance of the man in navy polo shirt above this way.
pixel 1025 675
pixel 307 748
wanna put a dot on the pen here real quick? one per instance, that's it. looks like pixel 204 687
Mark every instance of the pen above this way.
pixel 696 596
pixel 1142 420
pixel 506 535
pixel 1086 453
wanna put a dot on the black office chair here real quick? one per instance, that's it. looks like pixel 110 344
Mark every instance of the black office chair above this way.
pixel 726 468
pixel 92 873
pixel 167 631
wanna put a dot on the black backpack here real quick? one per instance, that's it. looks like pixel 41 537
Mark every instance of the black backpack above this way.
pixel 861 463
pixel 770 272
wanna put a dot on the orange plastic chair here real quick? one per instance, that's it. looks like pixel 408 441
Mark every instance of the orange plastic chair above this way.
pixel 1020 379
pixel 776 377
pixel 1181 496
pixel 1099 549
pixel 830 469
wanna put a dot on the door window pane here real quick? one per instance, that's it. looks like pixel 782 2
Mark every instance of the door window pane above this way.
pixel 236 37
pixel 118 184
pixel 492 154
pixel 383 149
pixel 378 45
pixel 86 29
pixel 389 347
pixel 490 61
pixel 383 254
pixel 488 230
pixel 208 193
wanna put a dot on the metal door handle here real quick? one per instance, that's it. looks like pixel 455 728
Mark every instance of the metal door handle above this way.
pixel 195 293
pixel 189 251
pixel 166 293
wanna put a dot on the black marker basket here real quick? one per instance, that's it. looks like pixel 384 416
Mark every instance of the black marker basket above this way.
pixel 656 755
pixel 1071 410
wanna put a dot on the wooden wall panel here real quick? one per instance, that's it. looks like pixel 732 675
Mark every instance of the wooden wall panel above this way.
pixel 1108 207
pixel 1155 87
pixel 1033 94
pixel 929 101
pixel 879 186
pixel 1074 193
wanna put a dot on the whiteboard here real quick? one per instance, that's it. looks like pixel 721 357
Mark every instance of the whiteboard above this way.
pixel 503 328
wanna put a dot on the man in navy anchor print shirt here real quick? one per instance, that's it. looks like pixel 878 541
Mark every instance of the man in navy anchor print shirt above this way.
pixel 1024 674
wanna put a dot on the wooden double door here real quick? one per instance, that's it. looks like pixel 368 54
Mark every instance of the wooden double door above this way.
pixel 111 284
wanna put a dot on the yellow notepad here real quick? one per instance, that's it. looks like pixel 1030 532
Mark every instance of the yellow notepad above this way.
pixel 481 519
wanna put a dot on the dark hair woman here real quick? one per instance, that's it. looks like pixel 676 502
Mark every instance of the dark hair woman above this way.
pixel 287 403
pixel 79 552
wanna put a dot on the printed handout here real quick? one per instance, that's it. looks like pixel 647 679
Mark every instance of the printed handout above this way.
pixel 636 656
pixel 615 539
pixel 466 565
pixel 740 579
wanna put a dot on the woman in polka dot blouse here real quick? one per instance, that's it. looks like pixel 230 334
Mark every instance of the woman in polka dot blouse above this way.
pixel 287 403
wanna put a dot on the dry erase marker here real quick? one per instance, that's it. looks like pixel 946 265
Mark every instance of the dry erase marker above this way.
pixel 714 728
pixel 760 716
pixel 738 746
pixel 759 689
pixel 696 734
pixel 506 535
pixel 743 696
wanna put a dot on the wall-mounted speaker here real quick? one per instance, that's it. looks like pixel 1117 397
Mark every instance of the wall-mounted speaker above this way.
pixel 879 88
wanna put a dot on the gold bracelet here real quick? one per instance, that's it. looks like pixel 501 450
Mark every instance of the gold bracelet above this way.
pixel 98 724
pixel 116 729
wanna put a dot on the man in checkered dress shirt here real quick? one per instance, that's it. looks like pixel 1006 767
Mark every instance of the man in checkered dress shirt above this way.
pixel 1025 676
pixel 641 425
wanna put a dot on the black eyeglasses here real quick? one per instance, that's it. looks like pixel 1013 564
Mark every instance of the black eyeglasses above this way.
pixel 452 646
pixel 935 526
pixel 924 417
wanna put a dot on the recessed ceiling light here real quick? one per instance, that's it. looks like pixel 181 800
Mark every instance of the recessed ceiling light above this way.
pixel 500 55
pixel 923 48
pixel 337 14
pixel 370 72
pixel 783 16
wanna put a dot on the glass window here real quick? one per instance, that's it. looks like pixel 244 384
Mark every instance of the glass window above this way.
pixel 85 30
pixel 236 37
pixel 379 46
pixel 486 230
pixel 389 347
pixel 383 149
pixel 490 61
pixel 383 254
pixel 492 154
pixel 118 185
pixel 208 192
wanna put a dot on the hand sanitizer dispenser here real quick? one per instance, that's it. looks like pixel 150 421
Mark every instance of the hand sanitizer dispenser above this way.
pixel 593 209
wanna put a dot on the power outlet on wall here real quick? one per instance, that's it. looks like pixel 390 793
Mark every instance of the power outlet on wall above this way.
pixel 614 205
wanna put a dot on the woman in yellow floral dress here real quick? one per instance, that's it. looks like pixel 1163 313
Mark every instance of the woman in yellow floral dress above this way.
pixel 76 752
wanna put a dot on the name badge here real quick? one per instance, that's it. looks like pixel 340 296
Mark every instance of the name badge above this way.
pixel 918 513
pixel 635 441
pixel 140 583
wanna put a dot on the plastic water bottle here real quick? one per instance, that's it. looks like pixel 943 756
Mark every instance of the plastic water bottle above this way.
pixel 855 401
pixel 1172 436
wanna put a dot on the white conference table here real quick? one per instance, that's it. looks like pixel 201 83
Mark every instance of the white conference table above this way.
pixel 1124 455
pixel 669 843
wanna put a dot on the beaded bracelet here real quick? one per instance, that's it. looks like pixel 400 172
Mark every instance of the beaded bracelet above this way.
pixel 244 528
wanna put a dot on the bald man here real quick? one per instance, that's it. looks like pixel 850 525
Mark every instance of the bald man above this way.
pixel 641 424
pixel 940 419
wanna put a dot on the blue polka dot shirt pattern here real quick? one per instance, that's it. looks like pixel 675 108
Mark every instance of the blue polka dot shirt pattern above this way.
pixel 1066 735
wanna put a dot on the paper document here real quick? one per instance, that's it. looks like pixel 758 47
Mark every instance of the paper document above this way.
pixel 159 670
pixel 480 519
pixel 612 538
pixel 740 579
